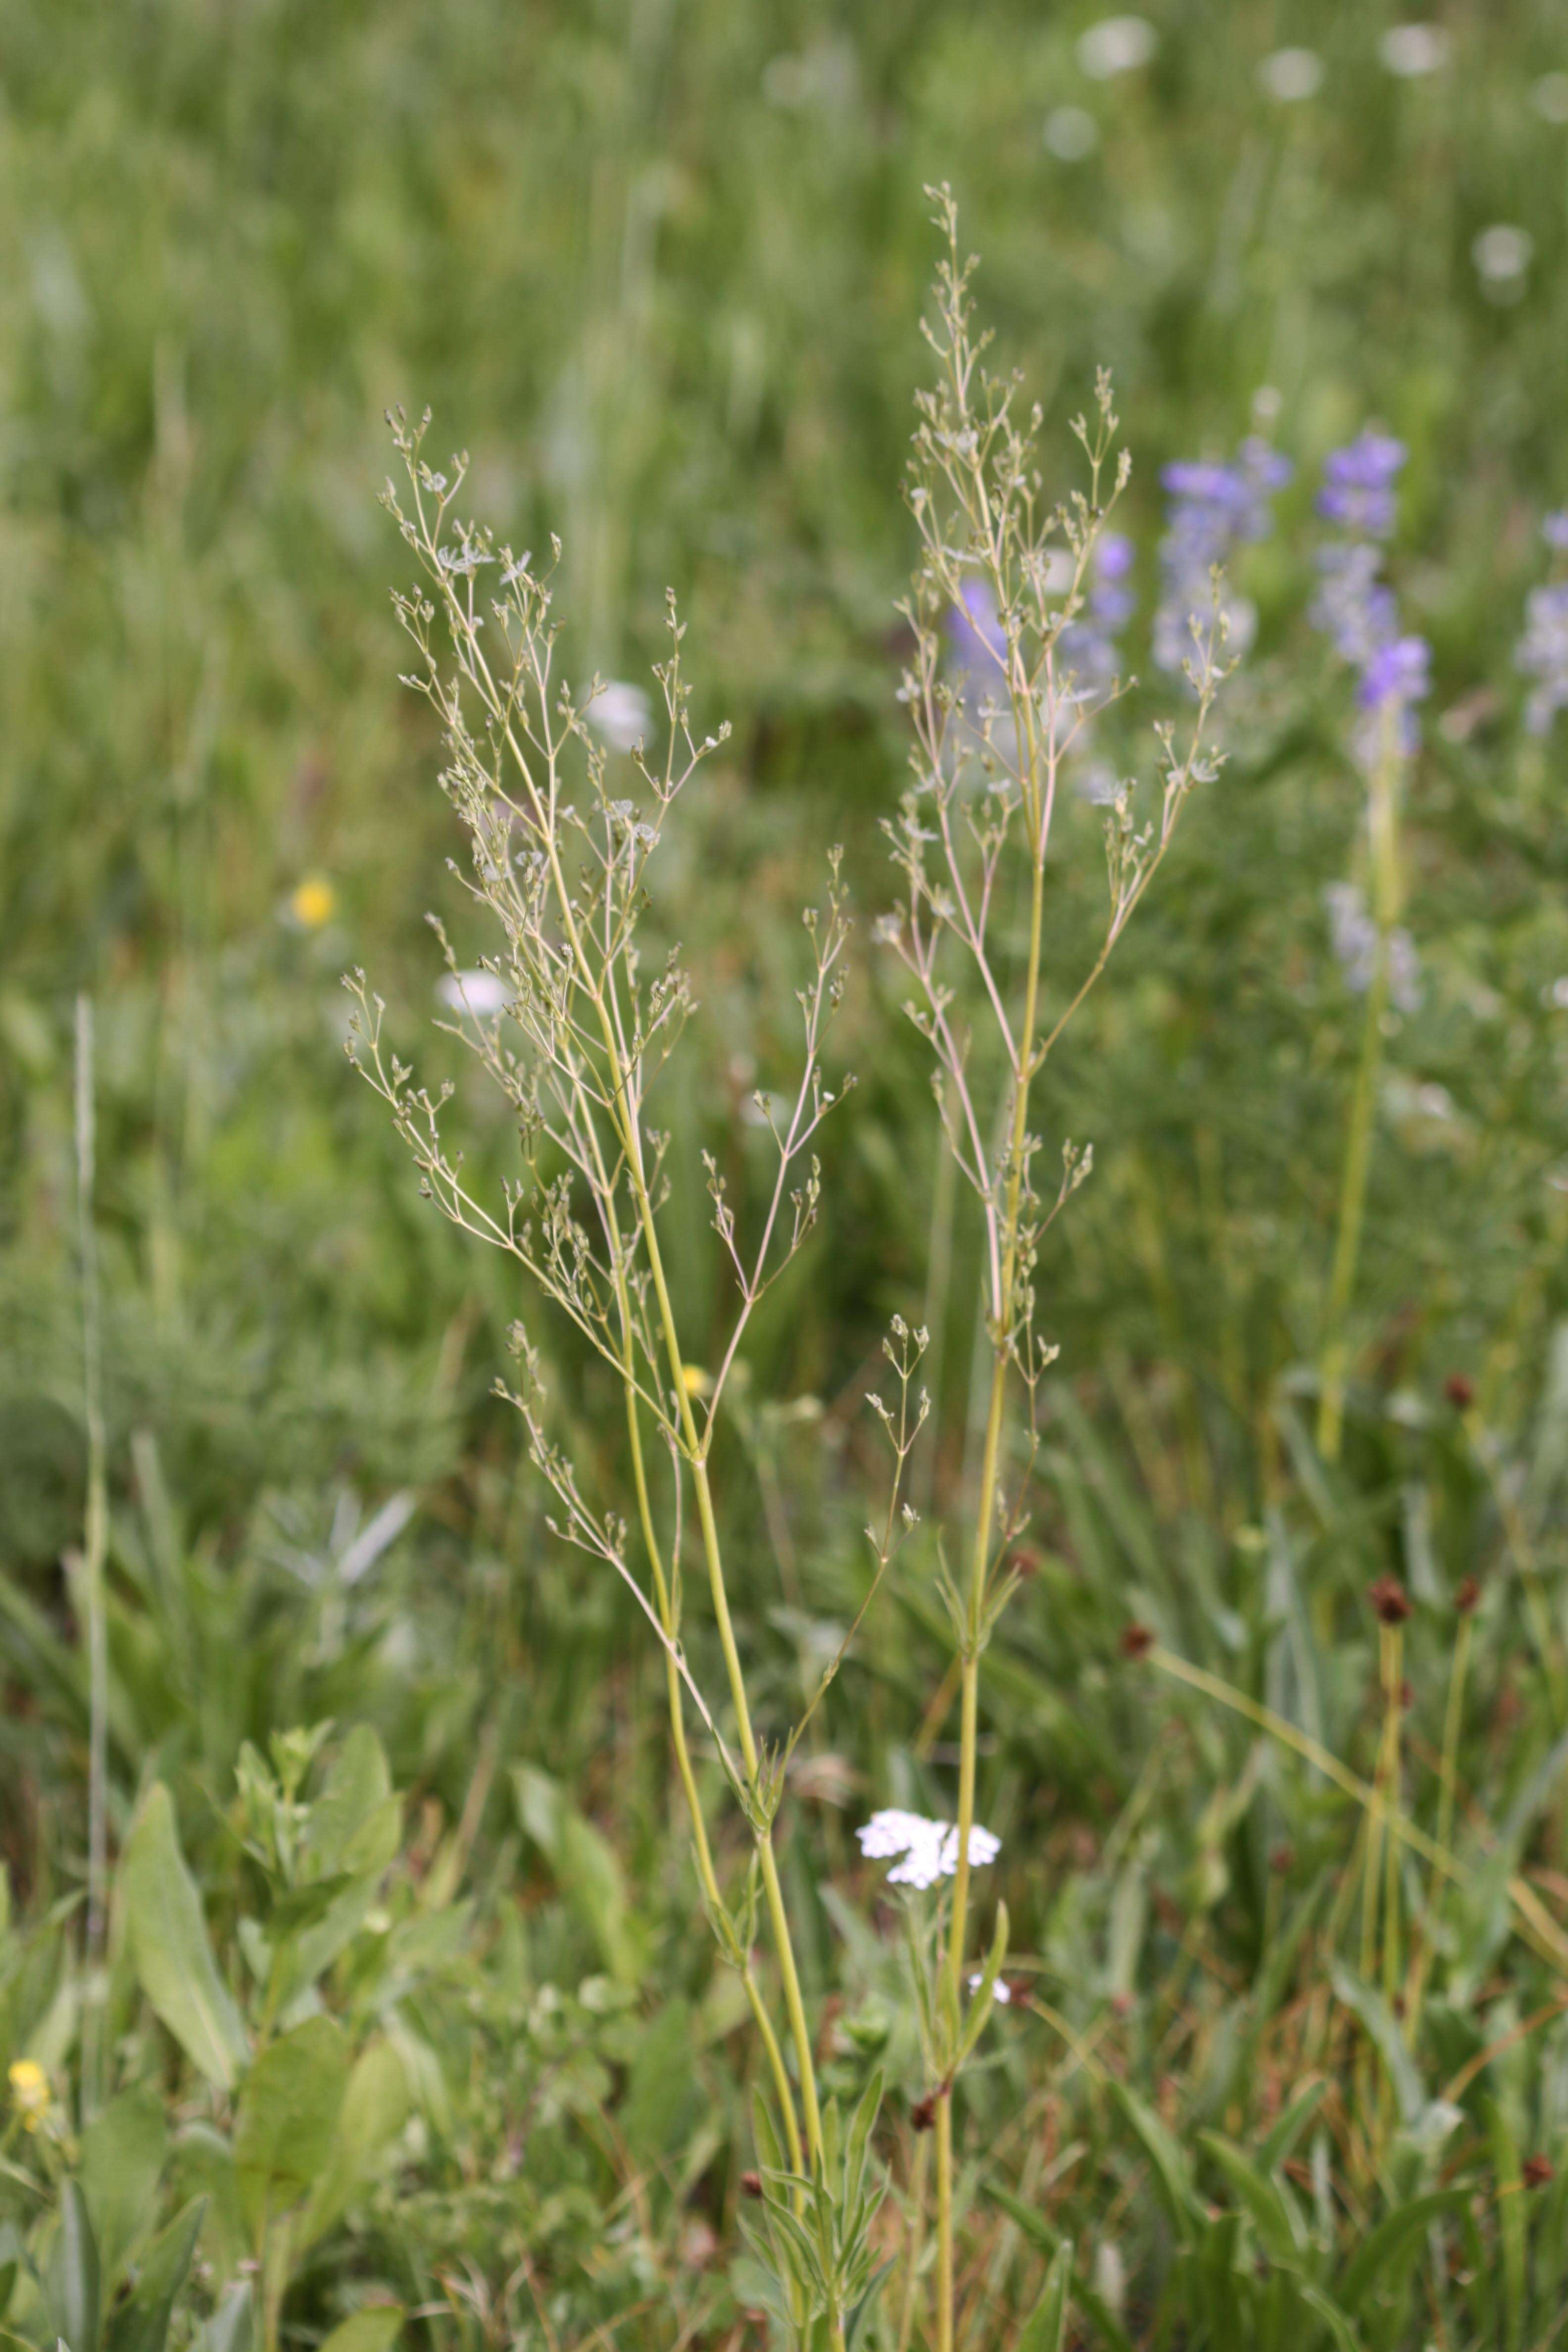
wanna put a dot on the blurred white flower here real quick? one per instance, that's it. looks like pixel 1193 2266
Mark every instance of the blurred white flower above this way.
pixel 925 1851
pixel 1550 97
pixel 1000 1991
pixel 1501 255
pixel 1557 994
pixel 1117 45
pixel 620 714
pixel 1411 50
pixel 1292 74
pixel 1070 133
pixel 478 993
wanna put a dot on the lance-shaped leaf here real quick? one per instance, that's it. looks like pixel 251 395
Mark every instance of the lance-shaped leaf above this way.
pixel 169 1947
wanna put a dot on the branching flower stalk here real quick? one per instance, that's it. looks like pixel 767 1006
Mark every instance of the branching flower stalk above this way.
pixel 974 838
pixel 585 1029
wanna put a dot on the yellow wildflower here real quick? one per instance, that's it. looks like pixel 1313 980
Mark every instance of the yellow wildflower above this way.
pixel 30 2091
pixel 313 902
pixel 696 1382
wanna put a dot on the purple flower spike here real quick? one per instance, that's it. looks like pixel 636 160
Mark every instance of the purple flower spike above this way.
pixel 1399 671
pixel 1358 484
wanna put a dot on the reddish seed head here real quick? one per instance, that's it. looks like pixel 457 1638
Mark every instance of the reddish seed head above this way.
pixel 1468 1597
pixel 1459 1392
pixel 751 2184
pixel 1391 1602
pixel 922 2115
pixel 1137 1641
pixel 1537 2171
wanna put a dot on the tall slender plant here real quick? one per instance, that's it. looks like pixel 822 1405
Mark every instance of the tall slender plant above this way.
pixel 573 1020
pixel 1006 570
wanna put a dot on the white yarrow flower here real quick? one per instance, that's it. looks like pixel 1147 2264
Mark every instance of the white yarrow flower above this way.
pixel 620 714
pixel 922 1851
pixel 1070 133
pixel 1502 253
pixel 480 992
pixel 1290 75
pixel 1117 45
pixel 1411 50
pixel 1000 1991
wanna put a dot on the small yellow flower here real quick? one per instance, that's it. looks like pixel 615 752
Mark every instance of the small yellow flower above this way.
pixel 313 902
pixel 696 1382
pixel 30 2090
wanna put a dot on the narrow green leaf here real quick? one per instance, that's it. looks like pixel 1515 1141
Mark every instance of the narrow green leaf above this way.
pixel 1278 2147
pixel 1046 2328
pixel 1279 2227
pixel 1394 2240
pixel 142 2323
pixel 231 2328
pixel 1511 2216
pixel 1171 2175
pixel 74 2281
pixel 1050 2241
pixel 169 1947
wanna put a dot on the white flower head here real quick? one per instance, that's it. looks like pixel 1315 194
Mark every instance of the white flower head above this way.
pixel 922 1851
pixel 1412 50
pixel 1070 133
pixel 1550 97
pixel 1000 1991
pixel 1502 254
pixel 1117 45
pixel 1291 74
pixel 620 714
pixel 478 993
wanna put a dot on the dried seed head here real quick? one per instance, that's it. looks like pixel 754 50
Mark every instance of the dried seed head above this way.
pixel 922 2115
pixel 1467 1599
pixel 1537 2170
pixel 751 2184
pixel 1137 1641
pixel 1459 1392
pixel 1391 1602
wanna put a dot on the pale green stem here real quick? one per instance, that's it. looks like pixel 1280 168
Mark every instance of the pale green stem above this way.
pixel 979 1570
pixel 1384 825
pixel 95 1549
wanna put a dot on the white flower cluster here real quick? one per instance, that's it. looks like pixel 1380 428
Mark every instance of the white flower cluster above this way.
pixel 926 1851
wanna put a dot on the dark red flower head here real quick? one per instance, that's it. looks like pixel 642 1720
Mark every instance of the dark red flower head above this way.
pixel 1391 1602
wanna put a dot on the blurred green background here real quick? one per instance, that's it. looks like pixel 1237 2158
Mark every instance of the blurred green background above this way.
pixel 659 268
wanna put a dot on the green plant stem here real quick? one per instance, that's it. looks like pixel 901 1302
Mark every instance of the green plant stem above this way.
pixel 979 1571
pixel 95 1550
pixel 1382 816
pixel 630 1139
pixel 915 2243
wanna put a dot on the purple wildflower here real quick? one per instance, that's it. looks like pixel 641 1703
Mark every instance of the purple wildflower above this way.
pixel 1358 484
pixel 1542 651
pixel 1400 671
pixel 1353 935
pixel 1088 644
pixel 1214 509
pixel 1354 605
